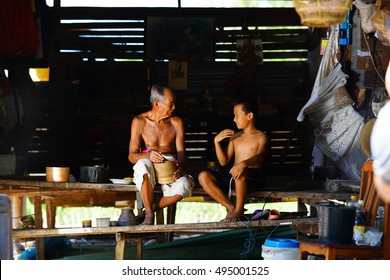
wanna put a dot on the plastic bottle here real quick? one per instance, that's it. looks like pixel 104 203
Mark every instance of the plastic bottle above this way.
pixel 380 215
pixel 359 227
pixel 352 202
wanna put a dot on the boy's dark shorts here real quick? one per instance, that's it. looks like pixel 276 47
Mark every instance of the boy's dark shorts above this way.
pixel 256 179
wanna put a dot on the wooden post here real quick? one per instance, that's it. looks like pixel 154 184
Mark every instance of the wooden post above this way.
pixel 171 214
pixel 18 210
pixel 50 213
pixel 120 247
pixel 161 237
pixel 39 242
pixel 301 206
pixel 140 247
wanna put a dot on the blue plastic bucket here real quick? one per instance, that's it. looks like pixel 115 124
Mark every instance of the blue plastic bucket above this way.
pixel 280 249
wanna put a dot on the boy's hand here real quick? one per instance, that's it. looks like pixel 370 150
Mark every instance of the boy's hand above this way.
pixel 227 133
pixel 237 170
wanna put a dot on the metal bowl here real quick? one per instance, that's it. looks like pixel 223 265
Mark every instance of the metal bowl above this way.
pixel 57 174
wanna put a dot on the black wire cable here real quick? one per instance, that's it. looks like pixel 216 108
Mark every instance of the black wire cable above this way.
pixel 250 242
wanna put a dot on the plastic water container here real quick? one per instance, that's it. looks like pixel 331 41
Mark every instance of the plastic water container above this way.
pixel 280 249
pixel 6 248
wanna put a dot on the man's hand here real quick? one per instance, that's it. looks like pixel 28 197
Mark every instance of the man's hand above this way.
pixel 178 173
pixel 156 157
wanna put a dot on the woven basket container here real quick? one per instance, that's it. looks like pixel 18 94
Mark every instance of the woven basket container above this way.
pixel 322 13
pixel 381 21
pixel 164 171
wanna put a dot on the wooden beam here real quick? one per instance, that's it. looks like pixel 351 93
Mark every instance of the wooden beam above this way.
pixel 20 187
pixel 249 16
pixel 34 233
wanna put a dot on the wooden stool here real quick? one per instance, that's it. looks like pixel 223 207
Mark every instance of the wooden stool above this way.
pixel 332 252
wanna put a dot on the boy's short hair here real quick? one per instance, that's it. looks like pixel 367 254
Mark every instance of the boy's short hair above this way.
pixel 249 105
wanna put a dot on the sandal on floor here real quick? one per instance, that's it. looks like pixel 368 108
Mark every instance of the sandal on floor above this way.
pixel 260 215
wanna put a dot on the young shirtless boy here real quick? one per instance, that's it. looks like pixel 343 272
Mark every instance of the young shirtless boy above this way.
pixel 247 147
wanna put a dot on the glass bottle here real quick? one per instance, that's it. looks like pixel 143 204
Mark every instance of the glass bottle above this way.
pixel 352 202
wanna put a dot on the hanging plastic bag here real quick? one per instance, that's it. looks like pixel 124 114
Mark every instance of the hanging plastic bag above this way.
pixel 366 14
pixel 372 237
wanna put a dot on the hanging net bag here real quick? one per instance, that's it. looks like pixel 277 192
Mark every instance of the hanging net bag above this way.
pixel 322 13
pixel 381 21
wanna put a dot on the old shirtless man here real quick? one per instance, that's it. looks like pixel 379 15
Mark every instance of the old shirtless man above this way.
pixel 154 133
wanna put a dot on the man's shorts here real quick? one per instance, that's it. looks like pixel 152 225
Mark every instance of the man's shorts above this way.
pixel 183 186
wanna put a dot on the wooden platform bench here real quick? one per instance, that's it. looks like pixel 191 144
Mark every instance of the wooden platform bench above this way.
pixel 46 192
pixel 138 232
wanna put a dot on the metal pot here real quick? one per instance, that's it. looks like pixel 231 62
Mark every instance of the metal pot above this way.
pixel 94 174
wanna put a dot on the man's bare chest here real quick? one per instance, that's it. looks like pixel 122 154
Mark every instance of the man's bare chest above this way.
pixel 158 128
pixel 158 133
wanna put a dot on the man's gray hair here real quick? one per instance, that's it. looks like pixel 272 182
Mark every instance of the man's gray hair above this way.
pixel 157 92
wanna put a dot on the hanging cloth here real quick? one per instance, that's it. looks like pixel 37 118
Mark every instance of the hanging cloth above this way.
pixel 18 31
pixel 337 126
